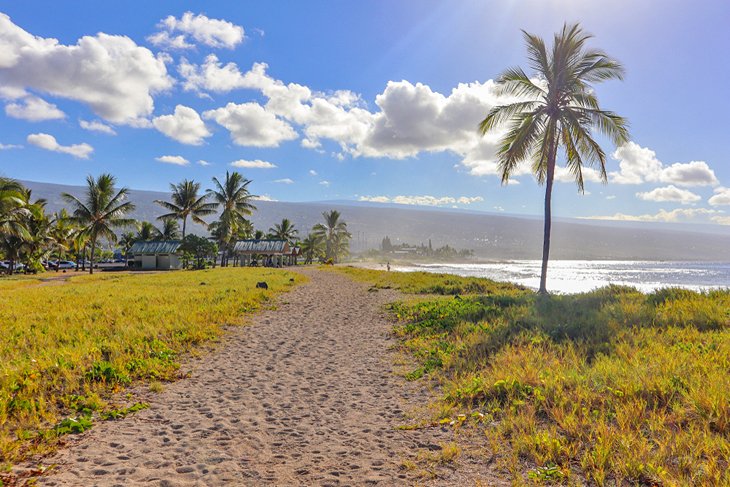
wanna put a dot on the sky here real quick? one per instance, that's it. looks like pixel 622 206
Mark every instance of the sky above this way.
pixel 365 101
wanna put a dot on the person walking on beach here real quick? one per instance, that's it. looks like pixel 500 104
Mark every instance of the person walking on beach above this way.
pixel 387 266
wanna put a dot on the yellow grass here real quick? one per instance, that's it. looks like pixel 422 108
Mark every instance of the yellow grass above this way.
pixel 613 386
pixel 63 347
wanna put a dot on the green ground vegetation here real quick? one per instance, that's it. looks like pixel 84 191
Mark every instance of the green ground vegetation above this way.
pixel 612 386
pixel 65 346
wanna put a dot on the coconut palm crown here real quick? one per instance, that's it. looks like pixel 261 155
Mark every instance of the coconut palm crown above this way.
pixel 555 114
pixel 103 208
pixel 186 203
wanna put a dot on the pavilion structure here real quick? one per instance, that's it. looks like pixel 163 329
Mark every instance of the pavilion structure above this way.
pixel 273 253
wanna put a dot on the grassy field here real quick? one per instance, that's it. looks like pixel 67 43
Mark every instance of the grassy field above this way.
pixel 613 386
pixel 65 346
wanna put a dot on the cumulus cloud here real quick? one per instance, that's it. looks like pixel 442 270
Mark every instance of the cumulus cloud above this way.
pixel 312 172
pixel 203 163
pixel 110 73
pixel 251 125
pixel 325 183
pixel 721 197
pixel 213 76
pixel 284 181
pixel 263 197
pixel 564 175
pixel 721 220
pixel 255 164
pixel 669 193
pixel 676 215
pixel 176 160
pixel 639 165
pixel 185 126
pixel 424 200
pixel 96 126
pixel 34 109
pixel 48 142
pixel 211 32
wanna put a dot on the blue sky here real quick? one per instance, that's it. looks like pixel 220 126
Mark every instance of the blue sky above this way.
pixel 372 100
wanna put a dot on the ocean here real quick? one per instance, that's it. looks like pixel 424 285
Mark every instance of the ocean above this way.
pixel 574 276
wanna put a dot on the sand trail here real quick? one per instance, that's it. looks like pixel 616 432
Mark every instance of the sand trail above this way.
pixel 306 395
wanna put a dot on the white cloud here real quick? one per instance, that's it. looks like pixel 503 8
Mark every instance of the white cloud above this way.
pixel 611 197
pixel 264 197
pixel 10 146
pixel 425 200
pixel 694 173
pixel 96 126
pixel 185 126
pixel 284 181
pixel 211 32
pixel 325 183
pixel 638 165
pixel 165 40
pixel 721 220
pixel 251 125
pixel 203 163
pixel 176 160
pixel 675 215
pixel 498 208
pixel 213 76
pixel 721 197
pixel 256 164
pixel 312 172
pixel 563 175
pixel 110 73
pixel 48 142
pixel 34 109
pixel 669 193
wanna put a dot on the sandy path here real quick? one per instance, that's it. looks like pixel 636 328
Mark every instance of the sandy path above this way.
pixel 304 396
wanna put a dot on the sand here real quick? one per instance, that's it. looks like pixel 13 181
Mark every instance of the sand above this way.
pixel 305 395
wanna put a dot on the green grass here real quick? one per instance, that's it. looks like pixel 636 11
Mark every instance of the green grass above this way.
pixel 65 347
pixel 613 386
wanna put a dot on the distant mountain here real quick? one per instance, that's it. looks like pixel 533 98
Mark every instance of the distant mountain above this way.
pixel 491 236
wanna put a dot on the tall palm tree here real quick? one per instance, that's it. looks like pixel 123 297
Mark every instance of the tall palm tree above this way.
pixel 556 113
pixel 186 203
pixel 233 196
pixel 284 230
pixel 102 210
pixel 334 234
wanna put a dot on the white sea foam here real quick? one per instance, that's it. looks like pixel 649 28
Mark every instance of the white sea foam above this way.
pixel 574 276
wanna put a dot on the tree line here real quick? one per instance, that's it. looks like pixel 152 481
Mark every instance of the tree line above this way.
pixel 30 235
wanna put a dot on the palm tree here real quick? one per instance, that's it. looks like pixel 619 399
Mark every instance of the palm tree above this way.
pixel 312 248
pixel 235 199
pixel 334 234
pixel 284 230
pixel 125 243
pixel 556 112
pixel 170 230
pixel 146 232
pixel 102 210
pixel 63 233
pixel 12 207
pixel 186 203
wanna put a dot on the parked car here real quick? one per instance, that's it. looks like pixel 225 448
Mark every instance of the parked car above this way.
pixel 65 264
pixel 5 265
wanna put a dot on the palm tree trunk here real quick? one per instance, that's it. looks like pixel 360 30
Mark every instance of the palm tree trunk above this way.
pixel 548 221
pixel 91 257
pixel 185 221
